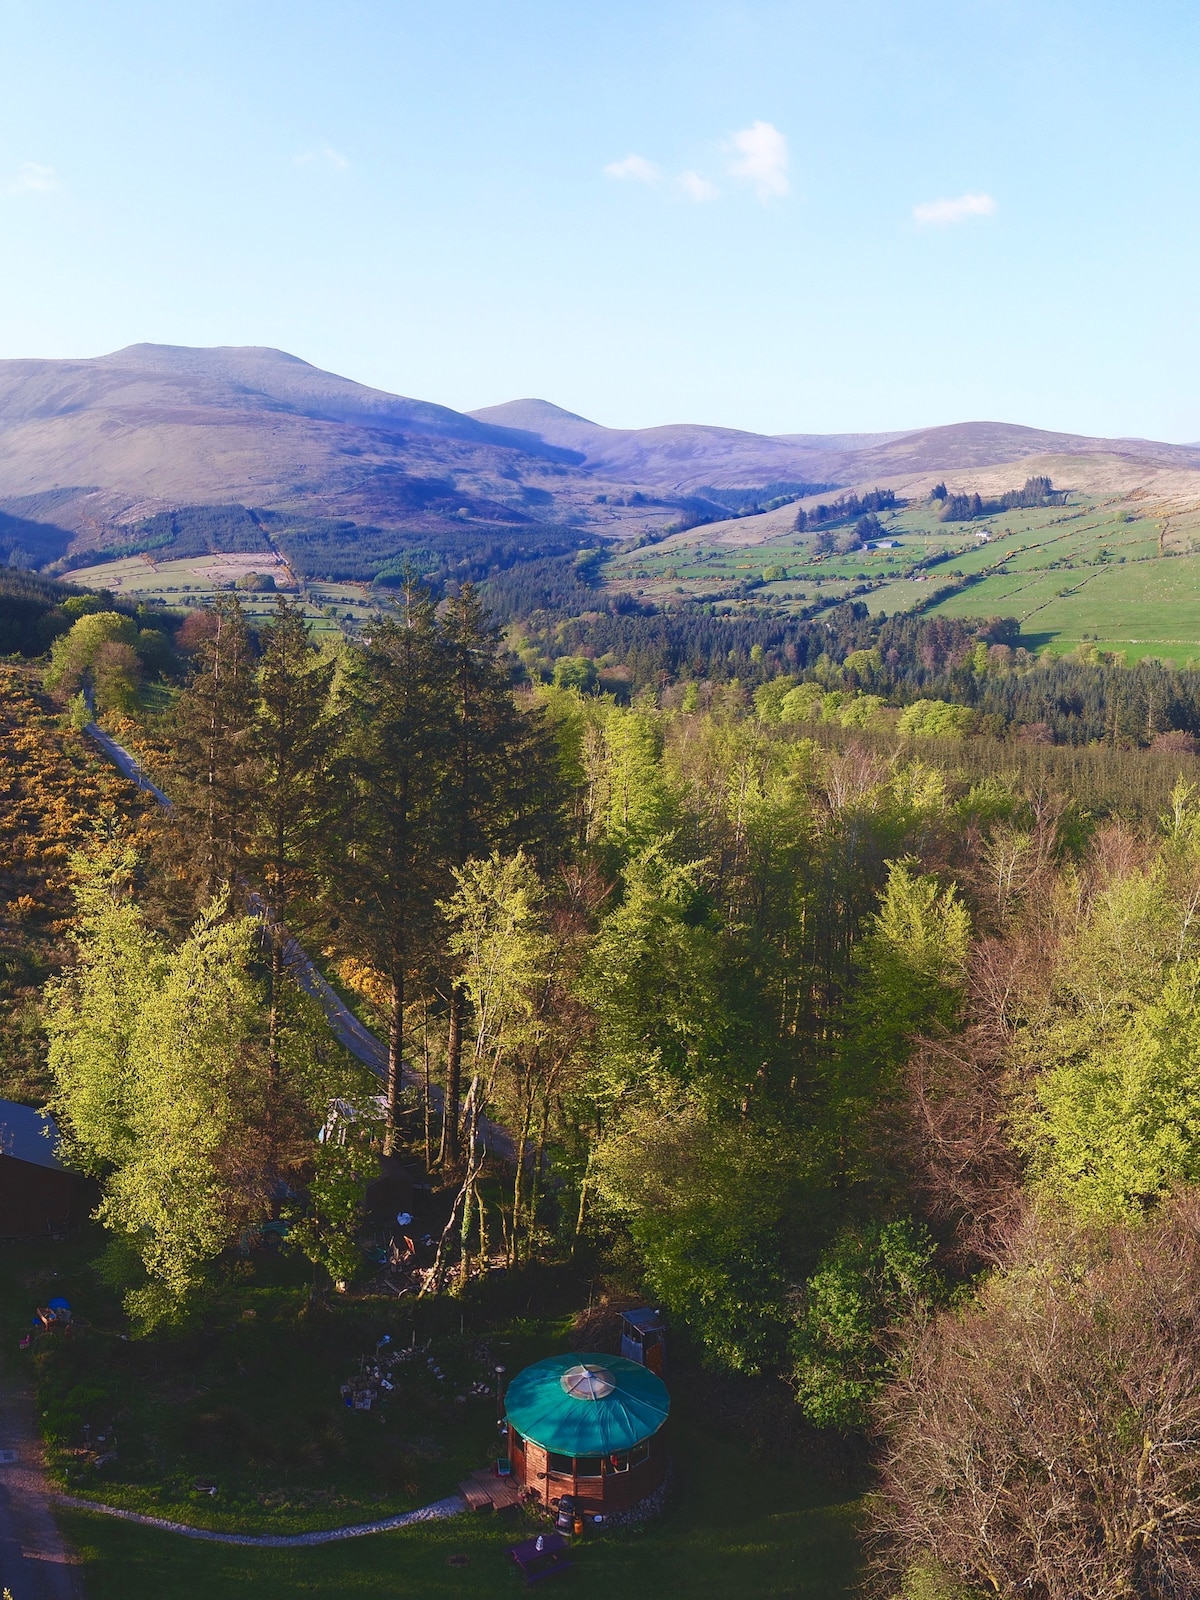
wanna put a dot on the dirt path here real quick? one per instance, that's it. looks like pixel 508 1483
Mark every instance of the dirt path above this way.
pixel 35 1563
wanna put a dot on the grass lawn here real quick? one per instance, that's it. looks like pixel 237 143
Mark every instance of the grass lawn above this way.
pixel 249 1397
pixel 1144 607
pixel 736 1525
pixel 251 1402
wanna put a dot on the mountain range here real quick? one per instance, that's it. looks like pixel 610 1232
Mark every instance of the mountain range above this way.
pixel 119 451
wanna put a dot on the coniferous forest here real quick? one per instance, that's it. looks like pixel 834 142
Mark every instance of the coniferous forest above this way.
pixel 827 1009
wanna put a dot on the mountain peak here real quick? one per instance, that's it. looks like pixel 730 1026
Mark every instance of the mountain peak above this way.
pixel 529 415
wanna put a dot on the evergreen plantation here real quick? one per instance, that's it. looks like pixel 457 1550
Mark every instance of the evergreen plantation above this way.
pixel 844 1005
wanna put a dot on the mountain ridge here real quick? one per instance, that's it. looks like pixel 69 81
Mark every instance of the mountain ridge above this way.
pixel 92 450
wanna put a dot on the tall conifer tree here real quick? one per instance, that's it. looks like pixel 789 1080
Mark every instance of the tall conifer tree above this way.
pixel 292 744
pixel 501 789
pixel 213 775
pixel 396 829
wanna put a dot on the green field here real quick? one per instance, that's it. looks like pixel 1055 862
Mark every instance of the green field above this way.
pixel 184 584
pixel 1102 570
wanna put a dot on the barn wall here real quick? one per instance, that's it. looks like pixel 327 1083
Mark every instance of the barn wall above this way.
pixel 36 1202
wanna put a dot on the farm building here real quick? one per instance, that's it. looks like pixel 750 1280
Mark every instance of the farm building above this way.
pixel 590 1426
pixel 38 1196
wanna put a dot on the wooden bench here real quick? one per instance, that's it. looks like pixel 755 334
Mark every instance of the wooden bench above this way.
pixel 537 1564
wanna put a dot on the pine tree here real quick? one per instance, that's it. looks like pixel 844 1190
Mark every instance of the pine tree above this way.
pixel 395 835
pixel 213 772
pixel 501 788
pixel 292 738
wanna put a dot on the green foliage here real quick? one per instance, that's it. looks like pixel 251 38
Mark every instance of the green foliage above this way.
pixel 1118 1131
pixel 802 703
pixel 165 1085
pixel 210 771
pixel 810 702
pixel 498 943
pixel 769 697
pixel 82 605
pixel 910 966
pixel 323 1228
pixel 935 719
pixel 714 1208
pixel 927 1580
pixel 868 1278
pixel 575 672
pixel 653 981
pixel 98 650
pixel 638 806
pixel 194 1092
pixel 92 1013
pixel 920 929
pixel 79 713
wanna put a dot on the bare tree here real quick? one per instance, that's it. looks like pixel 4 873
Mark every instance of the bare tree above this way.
pixel 1045 1442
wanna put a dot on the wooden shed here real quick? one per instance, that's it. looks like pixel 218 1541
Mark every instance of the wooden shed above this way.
pixel 591 1426
pixel 39 1198
pixel 644 1339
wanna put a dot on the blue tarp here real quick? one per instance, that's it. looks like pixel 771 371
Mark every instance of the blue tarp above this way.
pixel 587 1404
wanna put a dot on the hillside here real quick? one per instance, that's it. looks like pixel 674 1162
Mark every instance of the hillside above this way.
pixel 188 452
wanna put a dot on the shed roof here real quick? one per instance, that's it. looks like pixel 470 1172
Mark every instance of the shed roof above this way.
pixel 587 1404
pixel 643 1318
pixel 29 1135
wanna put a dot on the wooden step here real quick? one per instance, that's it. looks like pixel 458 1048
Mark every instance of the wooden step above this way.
pixel 484 1489
pixel 476 1496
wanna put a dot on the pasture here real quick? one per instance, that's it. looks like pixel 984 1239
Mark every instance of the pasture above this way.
pixel 185 584
pixel 1117 572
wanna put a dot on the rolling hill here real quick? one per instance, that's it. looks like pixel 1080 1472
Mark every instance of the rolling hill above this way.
pixel 686 457
pixel 187 451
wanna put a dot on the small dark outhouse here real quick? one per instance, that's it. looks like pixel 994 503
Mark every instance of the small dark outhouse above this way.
pixel 644 1339
pixel 39 1198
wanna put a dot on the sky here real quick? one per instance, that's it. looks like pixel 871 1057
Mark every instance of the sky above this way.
pixel 784 217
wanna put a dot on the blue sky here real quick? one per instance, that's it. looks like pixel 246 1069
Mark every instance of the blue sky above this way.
pixel 872 214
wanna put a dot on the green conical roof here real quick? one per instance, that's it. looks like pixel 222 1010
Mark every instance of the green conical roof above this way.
pixel 587 1405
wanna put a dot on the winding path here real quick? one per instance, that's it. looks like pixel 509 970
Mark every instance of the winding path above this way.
pixel 453 1506
pixel 343 1024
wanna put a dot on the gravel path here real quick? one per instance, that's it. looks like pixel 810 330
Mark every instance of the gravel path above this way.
pixel 453 1506
pixel 35 1563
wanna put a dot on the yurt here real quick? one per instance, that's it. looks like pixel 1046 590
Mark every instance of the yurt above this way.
pixel 590 1426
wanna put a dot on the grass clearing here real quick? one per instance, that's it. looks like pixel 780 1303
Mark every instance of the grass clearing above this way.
pixel 251 1402
pixel 735 1525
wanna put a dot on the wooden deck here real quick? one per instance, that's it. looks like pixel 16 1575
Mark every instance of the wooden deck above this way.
pixel 484 1491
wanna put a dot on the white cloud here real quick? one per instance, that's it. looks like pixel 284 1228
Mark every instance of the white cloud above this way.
pixel 697 188
pixel 325 156
pixel 636 168
pixel 940 212
pixel 760 157
pixel 33 178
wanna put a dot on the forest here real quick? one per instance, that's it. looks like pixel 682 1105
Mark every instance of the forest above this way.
pixel 966 507
pixel 856 1032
